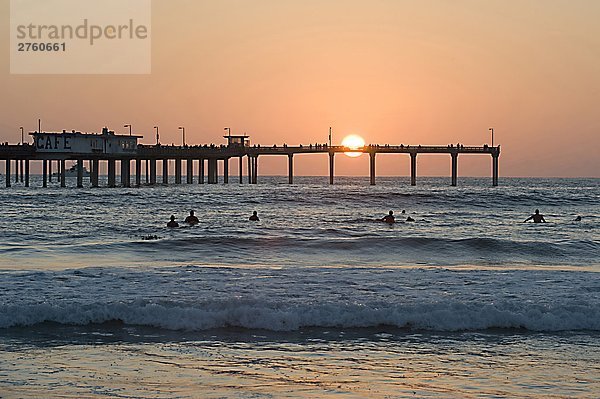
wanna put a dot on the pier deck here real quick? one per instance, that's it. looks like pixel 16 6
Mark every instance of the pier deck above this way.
pixel 22 155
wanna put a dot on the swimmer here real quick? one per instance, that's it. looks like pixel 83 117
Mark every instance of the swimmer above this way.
pixel 172 223
pixel 409 219
pixel 389 218
pixel 578 219
pixel 537 217
pixel 192 219
pixel 254 217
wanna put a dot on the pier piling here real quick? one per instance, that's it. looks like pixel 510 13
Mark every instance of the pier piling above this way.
pixel 413 168
pixel 291 169
pixel 44 173
pixel 372 167
pixel 165 172
pixel 7 172
pixel 189 164
pixel 63 173
pixel 177 170
pixel 201 171
pixel 454 168
pixel 331 165
pixel 112 173
pixel 27 173
pixel 153 171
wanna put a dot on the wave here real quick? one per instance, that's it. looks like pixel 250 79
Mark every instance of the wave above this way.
pixel 446 317
pixel 429 248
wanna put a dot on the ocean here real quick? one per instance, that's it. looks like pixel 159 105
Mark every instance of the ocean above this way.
pixel 318 299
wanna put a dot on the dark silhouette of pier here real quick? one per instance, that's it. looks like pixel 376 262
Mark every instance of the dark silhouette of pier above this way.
pixel 50 150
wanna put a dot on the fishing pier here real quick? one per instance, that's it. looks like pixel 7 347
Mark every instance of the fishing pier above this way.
pixel 54 149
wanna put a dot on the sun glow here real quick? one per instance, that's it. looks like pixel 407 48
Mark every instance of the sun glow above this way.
pixel 353 142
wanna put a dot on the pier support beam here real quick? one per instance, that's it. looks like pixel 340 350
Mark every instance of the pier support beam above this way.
pixel 95 172
pixel 22 166
pixel 372 167
pixel 201 171
pixel 147 171
pixel 125 173
pixel 331 166
pixel 91 171
pixel 49 171
pixel 226 171
pixel 212 171
pixel 495 170
pixel 153 171
pixel 241 170
pixel 249 169
pixel 112 173
pixel 291 168
pixel 7 172
pixel 16 170
pixel 27 173
pixel 454 168
pixel 255 169
pixel 138 172
pixel 80 173
pixel 44 173
pixel 178 171
pixel 63 173
pixel 165 172
pixel 413 168
pixel 189 163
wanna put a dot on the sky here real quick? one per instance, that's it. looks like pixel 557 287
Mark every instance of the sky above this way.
pixel 423 72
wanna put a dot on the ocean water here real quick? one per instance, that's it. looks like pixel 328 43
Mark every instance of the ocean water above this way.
pixel 318 299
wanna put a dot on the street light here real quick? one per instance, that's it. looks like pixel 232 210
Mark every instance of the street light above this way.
pixel 228 131
pixel 492 130
pixel 129 126
pixel 330 136
pixel 183 133
pixel 22 140
pixel 157 136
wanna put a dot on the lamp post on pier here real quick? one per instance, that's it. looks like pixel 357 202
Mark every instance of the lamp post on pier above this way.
pixel 183 134
pixel 22 136
pixel 157 136
pixel 492 130
pixel 129 126
pixel 228 131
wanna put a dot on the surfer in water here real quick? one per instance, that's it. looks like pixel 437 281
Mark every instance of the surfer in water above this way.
pixel 192 219
pixel 172 222
pixel 254 217
pixel 408 219
pixel 536 217
pixel 389 218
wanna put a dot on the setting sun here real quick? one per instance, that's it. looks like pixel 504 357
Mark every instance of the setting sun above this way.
pixel 353 142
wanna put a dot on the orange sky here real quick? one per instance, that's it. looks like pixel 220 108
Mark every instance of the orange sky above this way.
pixel 392 71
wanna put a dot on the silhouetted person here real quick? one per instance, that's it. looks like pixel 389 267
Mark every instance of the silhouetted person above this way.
pixel 578 219
pixel 192 219
pixel 172 222
pixel 537 217
pixel 409 219
pixel 389 218
pixel 254 217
